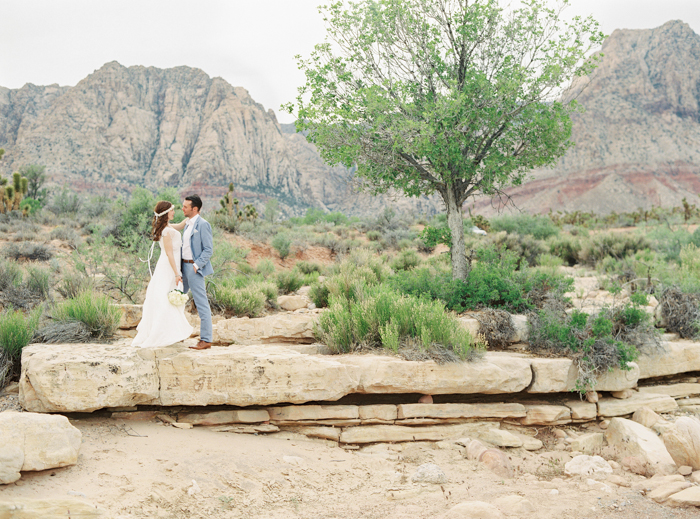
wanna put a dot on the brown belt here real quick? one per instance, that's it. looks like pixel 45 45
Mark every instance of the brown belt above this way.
pixel 187 261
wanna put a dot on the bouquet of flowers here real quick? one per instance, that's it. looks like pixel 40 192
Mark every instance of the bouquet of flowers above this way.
pixel 177 297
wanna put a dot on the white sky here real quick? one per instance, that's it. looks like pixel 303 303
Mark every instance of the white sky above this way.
pixel 250 43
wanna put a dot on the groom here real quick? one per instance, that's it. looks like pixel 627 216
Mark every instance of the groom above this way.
pixel 197 248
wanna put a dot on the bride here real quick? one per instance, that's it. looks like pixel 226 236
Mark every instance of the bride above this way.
pixel 162 323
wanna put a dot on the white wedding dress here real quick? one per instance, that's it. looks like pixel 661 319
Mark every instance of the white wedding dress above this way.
pixel 162 323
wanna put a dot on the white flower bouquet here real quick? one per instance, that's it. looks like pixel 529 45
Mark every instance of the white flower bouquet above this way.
pixel 177 297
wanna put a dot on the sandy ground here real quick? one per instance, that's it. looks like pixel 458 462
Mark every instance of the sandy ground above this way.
pixel 147 469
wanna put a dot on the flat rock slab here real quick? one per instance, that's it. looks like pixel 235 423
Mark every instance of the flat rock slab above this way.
pixel 546 415
pixel 250 376
pixel 314 412
pixel 616 407
pixel 226 417
pixel 273 328
pixel 494 374
pixel 685 498
pixel 559 376
pixel 672 358
pixel 673 390
pixel 498 410
pixel 130 316
pixel 56 508
pixel 403 433
pixel 87 377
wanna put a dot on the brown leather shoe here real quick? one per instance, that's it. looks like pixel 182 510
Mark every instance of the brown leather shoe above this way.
pixel 201 345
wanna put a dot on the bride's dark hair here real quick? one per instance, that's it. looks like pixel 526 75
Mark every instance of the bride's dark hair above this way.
pixel 160 222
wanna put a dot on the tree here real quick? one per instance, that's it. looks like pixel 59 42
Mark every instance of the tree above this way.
pixel 271 209
pixel 36 177
pixel 458 97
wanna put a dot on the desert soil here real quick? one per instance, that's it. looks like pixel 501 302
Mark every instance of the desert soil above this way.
pixel 150 469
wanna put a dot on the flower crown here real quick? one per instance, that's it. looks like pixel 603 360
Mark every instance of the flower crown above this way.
pixel 158 215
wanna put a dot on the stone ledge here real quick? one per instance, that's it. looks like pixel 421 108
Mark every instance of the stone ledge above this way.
pixel 672 358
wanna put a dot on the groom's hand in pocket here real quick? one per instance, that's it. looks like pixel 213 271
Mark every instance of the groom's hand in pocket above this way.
pixel 194 266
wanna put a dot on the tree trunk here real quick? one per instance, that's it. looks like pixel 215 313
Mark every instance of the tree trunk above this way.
pixel 458 252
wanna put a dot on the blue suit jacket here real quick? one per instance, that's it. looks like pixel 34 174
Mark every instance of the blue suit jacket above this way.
pixel 202 245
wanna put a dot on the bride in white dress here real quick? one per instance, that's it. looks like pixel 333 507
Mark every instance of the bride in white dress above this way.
pixel 162 323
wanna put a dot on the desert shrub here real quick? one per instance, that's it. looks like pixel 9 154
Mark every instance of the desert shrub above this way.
pixel 493 282
pixel 496 326
pixel 669 242
pixel 38 281
pixel 281 243
pixel 65 234
pixel 16 330
pixel 549 261
pixel 24 235
pixel 373 235
pixel 135 216
pixel 28 251
pixel 268 289
pixel 432 236
pixel 407 259
pixel 681 312
pixel 587 339
pixel 289 281
pixel 62 332
pixel 539 227
pixel 393 237
pixel 615 245
pixel 265 267
pixel 10 274
pixel 523 246
pixel 319 294
pixel 92 309
pixel 64 202
pixel 96 206
pixel 565 247
pixel 307 267
pixel 248 301
pixel 379 317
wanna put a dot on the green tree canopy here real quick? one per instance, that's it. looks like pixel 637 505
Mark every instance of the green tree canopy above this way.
pixel 36 179
pixel 458 97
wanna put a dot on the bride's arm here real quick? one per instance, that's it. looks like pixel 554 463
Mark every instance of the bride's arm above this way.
pixel 179 226
pixel 168 245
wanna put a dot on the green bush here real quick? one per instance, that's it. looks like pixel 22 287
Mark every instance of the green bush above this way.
pixel 319 294
pixel 382 318
pixel 268 289
pixel 248 301
pixel 289 281
pixel 266 267
pixel 307 267
pixel 94 310
pixel 281 244
pixel 73 284
pixel 373 235
pixel 592 341
pixel 28 251
pixel 523 246
pixel 16 330
pixel 408 259
pixel 493 282
pixel 615 245
pixel 539 227
pixel 38 281
pixel 135 220
pixel 10 274
pixel 565 247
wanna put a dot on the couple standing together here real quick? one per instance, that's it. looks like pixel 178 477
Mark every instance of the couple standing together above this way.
pixel 183 259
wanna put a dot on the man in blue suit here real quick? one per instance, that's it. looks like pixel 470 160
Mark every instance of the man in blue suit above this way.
pixel 197 249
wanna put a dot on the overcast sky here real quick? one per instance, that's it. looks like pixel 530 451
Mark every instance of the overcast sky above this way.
pixel 250 43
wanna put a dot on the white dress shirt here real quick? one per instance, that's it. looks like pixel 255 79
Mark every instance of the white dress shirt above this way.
pixel 186 248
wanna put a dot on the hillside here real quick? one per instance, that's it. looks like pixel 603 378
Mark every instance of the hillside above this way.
pixel 636 144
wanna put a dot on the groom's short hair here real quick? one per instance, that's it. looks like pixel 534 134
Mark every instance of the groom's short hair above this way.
pixel 196 201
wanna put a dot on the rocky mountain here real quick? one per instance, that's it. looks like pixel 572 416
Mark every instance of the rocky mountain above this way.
pixel 142 126
pixel 638 142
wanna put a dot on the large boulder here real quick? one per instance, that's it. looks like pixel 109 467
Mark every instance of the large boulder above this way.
pixel 86 377
pixel 273 328
pixel 130 316
pixel 682 441
pixel 635 440
pixel 39 441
